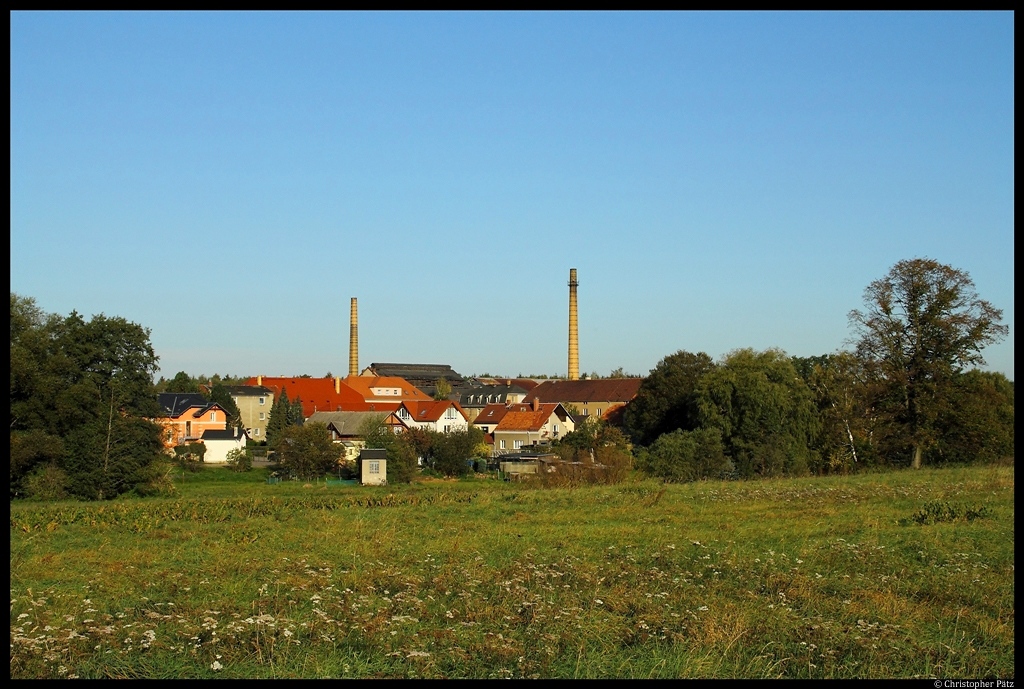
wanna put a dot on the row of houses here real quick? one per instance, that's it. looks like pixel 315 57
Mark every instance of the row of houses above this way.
pixel 512 413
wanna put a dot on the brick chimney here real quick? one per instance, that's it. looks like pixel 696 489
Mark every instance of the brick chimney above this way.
pixel 536 404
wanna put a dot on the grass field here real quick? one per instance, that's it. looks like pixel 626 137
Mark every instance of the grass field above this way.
pixel 906 574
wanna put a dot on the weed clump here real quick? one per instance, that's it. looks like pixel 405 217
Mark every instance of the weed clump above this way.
pixel 937 512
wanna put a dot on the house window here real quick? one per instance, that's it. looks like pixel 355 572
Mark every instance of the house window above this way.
pixel 502 444
pixel 516 444
pixel 447 429
pixel 597 412
pixel 263 400
pixel 554 427
pixel 213 416
pixel 374 467
pixel 450 414
pixel 255 431
pixel 263 415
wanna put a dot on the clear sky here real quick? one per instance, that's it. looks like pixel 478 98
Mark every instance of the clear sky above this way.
pixel 719 181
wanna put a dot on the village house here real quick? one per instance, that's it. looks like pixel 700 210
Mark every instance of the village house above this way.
pixel 604 398
pixel 220 443
pixel 254 403
pixel 475 399
pixel 345 428
pixel 385 392
pixel 442 416
pixel 319 394
pixel 187 416
pixel 525 425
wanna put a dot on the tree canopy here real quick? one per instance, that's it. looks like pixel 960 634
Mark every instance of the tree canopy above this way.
pixel 921 325
pixel 81 394
pixel 665 400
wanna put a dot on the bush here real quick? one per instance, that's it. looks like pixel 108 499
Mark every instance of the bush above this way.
pixel 47 483
pixel 240 459
pixel 682 456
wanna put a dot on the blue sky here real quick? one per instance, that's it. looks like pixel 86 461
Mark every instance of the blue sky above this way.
pixel 719 181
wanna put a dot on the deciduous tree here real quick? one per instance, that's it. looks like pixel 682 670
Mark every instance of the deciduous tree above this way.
pixel 922 324
pixel 665 400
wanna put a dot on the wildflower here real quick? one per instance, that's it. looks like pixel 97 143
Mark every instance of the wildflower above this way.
pixel 216 666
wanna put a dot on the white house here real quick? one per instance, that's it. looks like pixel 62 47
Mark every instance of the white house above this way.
pixel 442 416
pixel 220 443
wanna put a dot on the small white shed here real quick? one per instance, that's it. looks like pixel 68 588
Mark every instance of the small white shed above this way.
pixel 373 467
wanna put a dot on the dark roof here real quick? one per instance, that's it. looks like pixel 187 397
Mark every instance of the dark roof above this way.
pixel 226 434
pixel 499 392
pixel 373 453
pixel 601 390
pixel 248 390
pixel 177 403
pixel 418 373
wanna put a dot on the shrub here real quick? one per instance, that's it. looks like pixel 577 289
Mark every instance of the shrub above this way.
pixel 240 459
pixel 48 482
pixel 682 456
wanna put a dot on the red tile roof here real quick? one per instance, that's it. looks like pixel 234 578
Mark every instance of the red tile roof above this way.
pixel 492 413
pixel 317 394
pixel 364 384
pixel 523 420
pixel 430 410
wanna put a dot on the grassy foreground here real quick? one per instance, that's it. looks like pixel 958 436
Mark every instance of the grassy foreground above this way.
pixel 817 577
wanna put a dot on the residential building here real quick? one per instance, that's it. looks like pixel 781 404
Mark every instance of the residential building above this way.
pixel 603 398
pixel 187 416
pixel 254 403
pixel 220 443
pixel 528 425
pixel 442 416
pixel 386 390
pixel 474 399
pixel 317 394
pixel 345 427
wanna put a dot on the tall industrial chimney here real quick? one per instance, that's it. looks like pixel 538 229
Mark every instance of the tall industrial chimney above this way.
pixel 353 342
pixel 574 340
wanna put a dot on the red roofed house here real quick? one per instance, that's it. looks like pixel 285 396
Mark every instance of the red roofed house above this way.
pixel 386 389
pixel 602 397
pixel 442 416
pixel 523 425
pixel 320 394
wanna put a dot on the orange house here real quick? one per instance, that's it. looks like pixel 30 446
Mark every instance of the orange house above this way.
pixel 187 416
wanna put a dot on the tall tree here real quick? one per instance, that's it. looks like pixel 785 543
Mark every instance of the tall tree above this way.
pixel 764 411
pixel 307 451
pixel 922 324
pixel 81 392
pixel 665 400
pixel 295 414
pixel 279 418
pixel 220 395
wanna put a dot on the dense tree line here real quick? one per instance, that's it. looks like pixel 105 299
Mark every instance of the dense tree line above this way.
pixel 904 396
pixel 81 394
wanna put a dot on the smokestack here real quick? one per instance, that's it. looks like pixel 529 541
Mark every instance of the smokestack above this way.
pixel 353 341
pixel 574 340
pixel 259 380
pixel 337 385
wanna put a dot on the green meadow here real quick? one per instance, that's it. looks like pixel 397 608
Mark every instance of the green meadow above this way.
pixel 902 574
